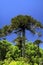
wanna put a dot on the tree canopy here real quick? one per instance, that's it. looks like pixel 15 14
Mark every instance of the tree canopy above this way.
pixel 19 22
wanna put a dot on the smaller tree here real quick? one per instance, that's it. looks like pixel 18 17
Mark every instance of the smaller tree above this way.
pixel 38 42
pixel 18 41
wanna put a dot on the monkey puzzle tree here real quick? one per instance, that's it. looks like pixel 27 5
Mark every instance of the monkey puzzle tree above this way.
pixel 20 24
pixel 38 42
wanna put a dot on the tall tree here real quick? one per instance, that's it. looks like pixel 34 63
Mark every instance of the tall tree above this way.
pixel 22 23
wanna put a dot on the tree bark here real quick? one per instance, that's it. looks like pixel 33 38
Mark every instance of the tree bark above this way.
pixel 23 42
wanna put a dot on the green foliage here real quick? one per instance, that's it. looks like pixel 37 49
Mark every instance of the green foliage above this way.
pixel 10 54
pixel 35 64
pixel 24 21
pixel 14 52
pixel 31 53
pixel 18 63
pixel 7 61
pixel 4 48
pixel 22 59
pixel 20 21
pixel 1 62
pixel 37 42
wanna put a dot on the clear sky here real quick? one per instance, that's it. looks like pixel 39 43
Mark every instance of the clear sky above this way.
pixel 12 8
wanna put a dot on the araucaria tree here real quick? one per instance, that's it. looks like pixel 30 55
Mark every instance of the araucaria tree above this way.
pixel 20 24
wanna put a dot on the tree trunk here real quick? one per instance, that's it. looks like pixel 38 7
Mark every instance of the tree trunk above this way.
pixel 23 42
pixel 38 53
pixel 20 47
pixel 20 43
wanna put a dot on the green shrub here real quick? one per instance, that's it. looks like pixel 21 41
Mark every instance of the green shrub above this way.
pixel 35 64
pixel 22 59
pixel 1 62
pixel 18 63
pixel 7 61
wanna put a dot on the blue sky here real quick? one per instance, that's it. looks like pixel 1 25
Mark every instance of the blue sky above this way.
pixel 12 8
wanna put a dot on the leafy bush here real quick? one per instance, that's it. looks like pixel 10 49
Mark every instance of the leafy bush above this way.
pixel 14 52
pixel 18 63
pixel 1 62
pixel 9 50
pixel 22 59
pixel 31 53
pixel 7 61
pixel 4 48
